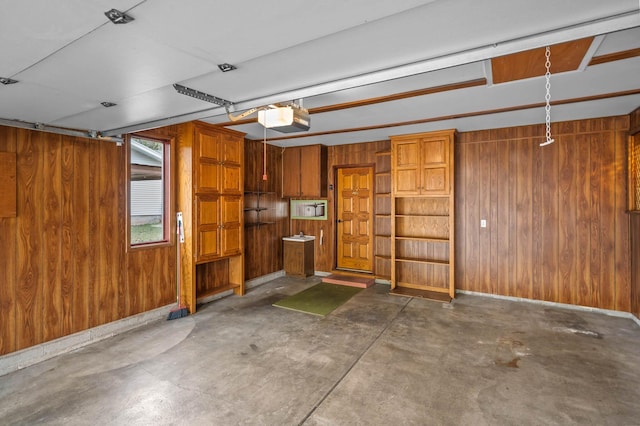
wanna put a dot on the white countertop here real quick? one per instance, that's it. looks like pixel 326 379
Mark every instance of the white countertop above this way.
pixel 299 238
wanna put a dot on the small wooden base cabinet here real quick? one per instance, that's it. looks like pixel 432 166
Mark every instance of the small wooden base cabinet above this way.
pixel 299 258
pixel 210 196
pixel 422 204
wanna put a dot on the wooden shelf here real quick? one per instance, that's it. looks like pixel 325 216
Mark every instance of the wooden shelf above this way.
pixel 427 239
pixel 218 290
pixel 427 261
pixel 423 215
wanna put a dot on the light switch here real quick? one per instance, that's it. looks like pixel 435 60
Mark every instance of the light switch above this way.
pixel 483 223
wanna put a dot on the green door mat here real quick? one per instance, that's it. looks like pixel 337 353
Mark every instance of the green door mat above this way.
pixel 321 299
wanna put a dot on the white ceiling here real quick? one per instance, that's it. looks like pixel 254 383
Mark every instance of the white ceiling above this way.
pixel 68 57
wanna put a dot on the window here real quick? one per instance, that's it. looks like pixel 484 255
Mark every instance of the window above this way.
pixel 148 191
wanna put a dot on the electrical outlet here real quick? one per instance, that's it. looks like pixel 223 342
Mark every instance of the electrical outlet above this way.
pixel 483 223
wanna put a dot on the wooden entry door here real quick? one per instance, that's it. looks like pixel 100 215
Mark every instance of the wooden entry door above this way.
pixel 355 219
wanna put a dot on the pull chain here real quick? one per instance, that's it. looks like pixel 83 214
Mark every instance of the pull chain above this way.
pixel 547 97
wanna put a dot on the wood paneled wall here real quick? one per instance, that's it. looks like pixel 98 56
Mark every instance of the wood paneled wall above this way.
pixel 557 229
pixel 338 156
pixel 263 244
pixel 64 264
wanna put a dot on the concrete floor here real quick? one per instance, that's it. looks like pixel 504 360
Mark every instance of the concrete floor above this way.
pixel 377 360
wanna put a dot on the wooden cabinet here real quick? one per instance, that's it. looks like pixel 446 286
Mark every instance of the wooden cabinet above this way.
pixel 299 258
pixel 421 164
pixel 422 234
pixel 210 197
pixel 304 171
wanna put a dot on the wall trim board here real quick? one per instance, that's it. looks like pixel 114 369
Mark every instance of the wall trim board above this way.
pixel 35 354
pixel 609 312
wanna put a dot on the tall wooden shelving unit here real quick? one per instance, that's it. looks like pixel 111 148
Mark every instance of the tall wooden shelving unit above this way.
pixel 383 215
pixel 422 208
pixel 210 194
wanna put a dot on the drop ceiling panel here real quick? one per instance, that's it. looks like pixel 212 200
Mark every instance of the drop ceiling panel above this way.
pixel 32 30
pixel 33 103
pixel 113 63
pixel 143 108
pixel 620 41
pixel 236 32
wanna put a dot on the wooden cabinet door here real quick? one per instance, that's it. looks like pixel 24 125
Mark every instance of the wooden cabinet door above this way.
pixel 231 224
pixel 231 160
pixel 406 168
pixel 434 164
pixel 207 150
pixel 291 172
pixel 310 171
pixel 207 227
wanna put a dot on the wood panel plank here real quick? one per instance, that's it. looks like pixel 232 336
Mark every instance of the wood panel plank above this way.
pixel 67 243
pixel 567 188
pixel 607 223
pixel 472 220
pixel 108 265
pixel 549 230
pixel 95 209
pixel 486 185
pixel 29 248
pixel 581 286
pixel 52 234
pixel 596 284
pixel 500 223
pixel 460 187
pixel 524 219
pixel 81 235
pixel 621 231
pixel 8 259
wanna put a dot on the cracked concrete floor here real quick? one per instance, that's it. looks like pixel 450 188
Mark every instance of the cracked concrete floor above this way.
pixel 376 360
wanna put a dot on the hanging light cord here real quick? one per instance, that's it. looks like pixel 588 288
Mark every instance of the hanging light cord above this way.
pixel 547 97
pixel 264 155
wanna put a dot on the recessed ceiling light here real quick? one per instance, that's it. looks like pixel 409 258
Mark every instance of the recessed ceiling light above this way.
pixel 7 80
pixel 107 104
pixel 226 67
pixel 118 17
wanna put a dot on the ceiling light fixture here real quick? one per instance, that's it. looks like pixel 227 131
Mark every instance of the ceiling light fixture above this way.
pixel 183 90
pixel 7 80
pixel 226 67
pixel 118 17
pixel 108 104
pixel 287 119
